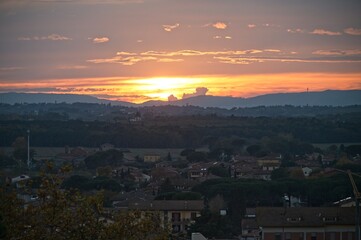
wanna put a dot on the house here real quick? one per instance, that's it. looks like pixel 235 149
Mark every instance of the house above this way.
pixel 250 228
pixel 304 223
pixel 20 181
pixel 269 164
pixel 200 170
pixel 306 171
pixel 178 214
pixel 106 147
pixel 151 157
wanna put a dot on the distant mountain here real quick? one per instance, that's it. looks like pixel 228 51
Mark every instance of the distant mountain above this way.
pixel 325 98
pixel 12 98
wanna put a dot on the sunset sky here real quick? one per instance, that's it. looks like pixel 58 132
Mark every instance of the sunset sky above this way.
pixel 139 50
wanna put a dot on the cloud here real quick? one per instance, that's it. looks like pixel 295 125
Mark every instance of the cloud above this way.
pixel 338 52
pixel 220 25
pixel 123 60
pixel 21 2
pixel 353 31
pixel 71 67
pixel 320 31
pixel 172 98
pixel 200 91
pixel 251 25
pixel 169 28
pixel 52 37
pixel 297 30
pixel 250 60
pixel 220 37
pixel 131 58
pixel 100 39
pixel 169 60
pixel 10 69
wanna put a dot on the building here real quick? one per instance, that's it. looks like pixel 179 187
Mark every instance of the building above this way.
pixel 151 157
pixel 177 214
pixel 304 223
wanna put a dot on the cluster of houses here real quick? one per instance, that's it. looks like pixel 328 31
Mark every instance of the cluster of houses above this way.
pixel 288 223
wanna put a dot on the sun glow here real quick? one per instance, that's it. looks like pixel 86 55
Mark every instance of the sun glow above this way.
pixel 138 90
pixel 161 87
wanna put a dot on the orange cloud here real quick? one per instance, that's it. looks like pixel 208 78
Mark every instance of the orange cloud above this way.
pixel 52 37
pixel 169 28
pixel 338 52
pixel 353 31
pixel 100 39
pixel 220 25
pixel 325 32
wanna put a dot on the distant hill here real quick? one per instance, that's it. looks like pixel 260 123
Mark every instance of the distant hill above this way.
pixel 325 98
pixel 12 98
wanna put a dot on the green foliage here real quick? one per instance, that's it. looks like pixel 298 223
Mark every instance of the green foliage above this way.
pixel 197 157
pixel 104 158
pixel 280 173
pixel 66 214
pixel 98 183
pixel 166 186
pixel 219 171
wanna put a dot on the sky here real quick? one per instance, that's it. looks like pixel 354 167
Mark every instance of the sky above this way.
pixel 140 50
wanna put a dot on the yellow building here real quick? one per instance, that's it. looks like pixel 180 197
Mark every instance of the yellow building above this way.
pixel 177 214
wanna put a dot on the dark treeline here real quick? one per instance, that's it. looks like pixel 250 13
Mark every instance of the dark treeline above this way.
pixel 180 132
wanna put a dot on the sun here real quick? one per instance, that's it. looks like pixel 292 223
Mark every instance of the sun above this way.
pixel 161 87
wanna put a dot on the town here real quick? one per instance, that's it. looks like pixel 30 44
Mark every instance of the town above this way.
pixel 202 176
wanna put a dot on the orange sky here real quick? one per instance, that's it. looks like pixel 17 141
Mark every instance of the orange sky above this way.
pixel 159 88
pixel 140 50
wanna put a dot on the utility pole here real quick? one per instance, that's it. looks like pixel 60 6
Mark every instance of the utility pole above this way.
pixel 28 131
pixel 357 203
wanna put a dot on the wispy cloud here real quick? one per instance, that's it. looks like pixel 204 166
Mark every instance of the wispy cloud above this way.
pixel 296 30
pixel 250 60
pixel 52 37
pixel 131 58
pixel 100 40
pixel 353 31
pixel 22 2
pixel 230 57
pixel 169 60
pixel 10 69
pixel 338 52
pixel 320 31
pixel 123 60
pixel 71 67
pixel 169 28
pixel 220 37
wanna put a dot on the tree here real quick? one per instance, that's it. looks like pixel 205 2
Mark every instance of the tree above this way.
pixel 67 214
pixel 111 157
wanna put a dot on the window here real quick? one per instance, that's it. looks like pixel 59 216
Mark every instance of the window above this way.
pixel 314 236
pixel 193 215
pixel 288 236
pixel 278 236
pixel 175 217
pixel 301 236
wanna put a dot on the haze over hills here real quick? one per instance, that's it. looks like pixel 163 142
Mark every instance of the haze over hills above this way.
pixel 12 98
pixel 325 98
